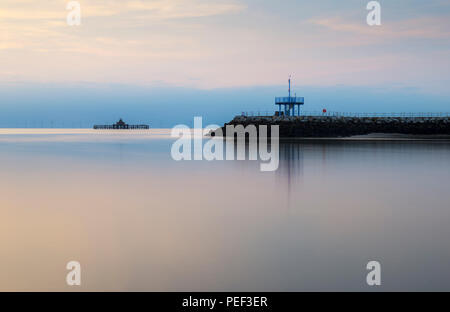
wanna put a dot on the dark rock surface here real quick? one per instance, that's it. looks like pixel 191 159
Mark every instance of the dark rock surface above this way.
pixel 327 126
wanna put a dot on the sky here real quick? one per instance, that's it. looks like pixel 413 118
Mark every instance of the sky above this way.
pixel 165 61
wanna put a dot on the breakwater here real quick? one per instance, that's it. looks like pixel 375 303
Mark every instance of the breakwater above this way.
pixel 338 126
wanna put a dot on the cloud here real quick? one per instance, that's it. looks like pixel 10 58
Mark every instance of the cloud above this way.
pixel 131 41
pixel 418 28
pixel 28 10
pixel 185 9
pixel 33 26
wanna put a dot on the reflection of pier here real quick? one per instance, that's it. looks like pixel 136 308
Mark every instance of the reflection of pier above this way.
pixel 294 158
pixel 291 164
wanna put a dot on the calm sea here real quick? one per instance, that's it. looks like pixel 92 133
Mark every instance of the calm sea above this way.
pixel 137 220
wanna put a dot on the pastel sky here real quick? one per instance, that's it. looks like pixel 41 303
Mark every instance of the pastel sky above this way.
pixel 225 44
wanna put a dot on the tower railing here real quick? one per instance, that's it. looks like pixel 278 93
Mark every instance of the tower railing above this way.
pixel 262 113
pixel 292 99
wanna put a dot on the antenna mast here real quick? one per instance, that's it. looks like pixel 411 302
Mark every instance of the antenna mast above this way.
pixel 289 86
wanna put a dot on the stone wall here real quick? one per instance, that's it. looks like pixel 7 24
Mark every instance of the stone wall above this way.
pixel 325 126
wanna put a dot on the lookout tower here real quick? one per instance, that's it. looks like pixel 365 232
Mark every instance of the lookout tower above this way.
pixel 289 103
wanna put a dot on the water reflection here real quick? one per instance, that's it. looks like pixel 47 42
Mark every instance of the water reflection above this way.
pixel 294 155
pixel 290 172
pixel 137 220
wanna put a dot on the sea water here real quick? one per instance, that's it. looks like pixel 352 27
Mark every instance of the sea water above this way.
pixel 136 220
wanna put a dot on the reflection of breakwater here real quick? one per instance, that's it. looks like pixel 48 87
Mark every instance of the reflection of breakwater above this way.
pixel 299 159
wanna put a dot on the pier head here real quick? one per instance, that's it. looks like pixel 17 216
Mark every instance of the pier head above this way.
pixel 121 125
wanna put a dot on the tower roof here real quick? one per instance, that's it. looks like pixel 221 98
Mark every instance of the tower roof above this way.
pixel 120 123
